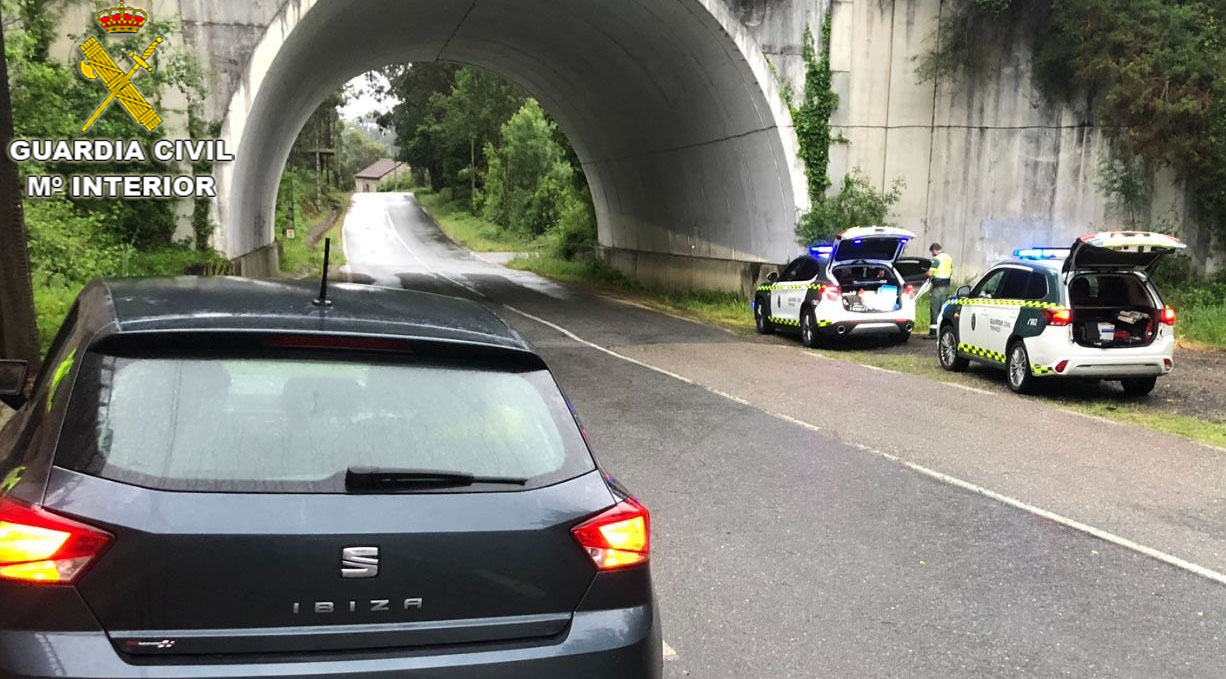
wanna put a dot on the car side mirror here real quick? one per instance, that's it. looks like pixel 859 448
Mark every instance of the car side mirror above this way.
pixel 13 383
pixel 964 291
pixel 772 277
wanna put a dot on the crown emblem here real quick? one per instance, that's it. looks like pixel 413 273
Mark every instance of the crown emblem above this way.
pixel 122 19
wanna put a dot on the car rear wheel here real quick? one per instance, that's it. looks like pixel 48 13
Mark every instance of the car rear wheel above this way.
pixel 1021 380
pixel 763 324
pixel 948 350
pixel 808 329
pixel 1139 386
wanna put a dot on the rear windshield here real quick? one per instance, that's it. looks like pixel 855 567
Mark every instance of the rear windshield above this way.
pixel 1108 290
pixel 291 425
pixel 882 249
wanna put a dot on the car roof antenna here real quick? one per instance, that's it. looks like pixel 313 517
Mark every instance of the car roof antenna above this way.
pixel 322 300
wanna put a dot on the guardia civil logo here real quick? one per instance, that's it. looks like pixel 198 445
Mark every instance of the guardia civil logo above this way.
pixel 98 65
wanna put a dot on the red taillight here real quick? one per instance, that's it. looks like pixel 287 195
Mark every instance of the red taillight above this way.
pixel 909 290
pixel 37 546
pixel 337 342
pixel 618 538
pixel 833 293
pixel 1168 316
pixel 1061 366
pixel 1058 316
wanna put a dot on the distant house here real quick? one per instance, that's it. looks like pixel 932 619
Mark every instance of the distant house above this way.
pixel 368 180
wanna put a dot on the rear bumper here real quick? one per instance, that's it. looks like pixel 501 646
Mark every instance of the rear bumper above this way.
pixel 863 328
pixel 1080 361
pixel 622 643
pixel 1108 368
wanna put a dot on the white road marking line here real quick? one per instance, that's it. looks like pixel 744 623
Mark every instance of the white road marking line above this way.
pixel 1096 418
pixel 880 370
pixel 597 347
pixel 976 390
pixel 637 305
pixel 730 397
pixel 1078 526
pixel 669 653
pixel 429 269
pixel 793 420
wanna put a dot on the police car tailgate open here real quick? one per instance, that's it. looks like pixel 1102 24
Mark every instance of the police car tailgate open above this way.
pixel 858 285
pixel 1087 311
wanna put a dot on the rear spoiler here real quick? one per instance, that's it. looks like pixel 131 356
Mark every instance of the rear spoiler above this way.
pixel 230 342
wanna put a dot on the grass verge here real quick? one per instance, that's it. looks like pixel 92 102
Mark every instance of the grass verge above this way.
pixel 1063 394
pixel 1203 327
pixel 468 230
pixel 299 259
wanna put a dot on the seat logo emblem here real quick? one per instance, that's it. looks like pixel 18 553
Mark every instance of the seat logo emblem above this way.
pixel 359 562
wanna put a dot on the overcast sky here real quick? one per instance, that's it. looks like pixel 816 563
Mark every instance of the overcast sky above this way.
pixel 362 101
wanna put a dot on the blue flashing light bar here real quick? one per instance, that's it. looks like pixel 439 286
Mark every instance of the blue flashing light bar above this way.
pixel 1042 253
pixel 821 250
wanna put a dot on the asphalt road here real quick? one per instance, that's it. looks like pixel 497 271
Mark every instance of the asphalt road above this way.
pixel 814 518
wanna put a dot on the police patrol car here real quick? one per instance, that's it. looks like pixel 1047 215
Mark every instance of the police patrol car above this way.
pixel 857 286
pixel 1089 311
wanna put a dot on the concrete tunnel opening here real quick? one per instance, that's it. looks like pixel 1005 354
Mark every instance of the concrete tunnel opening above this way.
pixel 679 127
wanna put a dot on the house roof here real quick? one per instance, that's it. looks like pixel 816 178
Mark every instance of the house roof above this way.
pixel 380 169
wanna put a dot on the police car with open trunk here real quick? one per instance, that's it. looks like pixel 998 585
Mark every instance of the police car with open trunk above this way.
pixel 1089 311
pixel 858 286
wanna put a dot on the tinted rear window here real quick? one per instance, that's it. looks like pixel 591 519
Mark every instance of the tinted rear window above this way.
pixel 867 248
pixel 1015 284
pixel 292 425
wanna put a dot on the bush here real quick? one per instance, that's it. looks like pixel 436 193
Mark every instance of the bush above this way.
pixel 857 203
pixel 53 297
pixel 575 232
pixel 67 244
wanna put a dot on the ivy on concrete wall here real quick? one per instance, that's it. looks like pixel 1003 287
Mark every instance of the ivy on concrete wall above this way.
pixel 811 117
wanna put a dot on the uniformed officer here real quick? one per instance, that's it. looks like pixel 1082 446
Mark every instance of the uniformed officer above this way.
pixel 941 273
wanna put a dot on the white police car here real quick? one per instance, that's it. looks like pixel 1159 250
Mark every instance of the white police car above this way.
pixel 1089 311
pixel 857 286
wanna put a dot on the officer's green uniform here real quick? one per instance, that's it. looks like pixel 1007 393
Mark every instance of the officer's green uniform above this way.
pixel 942 276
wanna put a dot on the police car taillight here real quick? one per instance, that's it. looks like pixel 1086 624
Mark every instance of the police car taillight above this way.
pixel 1058 316
pixel 1168 316
pixel 910 290
pixel 833 293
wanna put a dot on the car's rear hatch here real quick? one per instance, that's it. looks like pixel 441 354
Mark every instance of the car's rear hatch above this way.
pixel 875 244
pixel 207 574
pixel 222 478
pixel 1120 251
pixel 863 263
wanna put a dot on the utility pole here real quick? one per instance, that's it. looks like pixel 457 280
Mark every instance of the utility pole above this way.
pixel 18 330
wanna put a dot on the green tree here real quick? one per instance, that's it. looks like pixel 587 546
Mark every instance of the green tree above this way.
pixel 529 180
pixel 414 86
pixel 470 115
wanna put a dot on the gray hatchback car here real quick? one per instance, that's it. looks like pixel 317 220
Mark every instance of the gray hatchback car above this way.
pixel 215 477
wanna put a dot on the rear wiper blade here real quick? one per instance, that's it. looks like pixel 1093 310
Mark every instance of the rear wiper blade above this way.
pixel 385 478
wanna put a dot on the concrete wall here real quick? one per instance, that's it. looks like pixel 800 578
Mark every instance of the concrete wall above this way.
pixel 989 165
